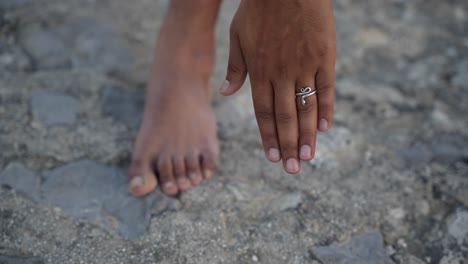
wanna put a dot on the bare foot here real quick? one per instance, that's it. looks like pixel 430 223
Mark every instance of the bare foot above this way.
pixel 177 145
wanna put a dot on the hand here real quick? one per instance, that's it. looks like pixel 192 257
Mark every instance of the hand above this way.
pixel 285 45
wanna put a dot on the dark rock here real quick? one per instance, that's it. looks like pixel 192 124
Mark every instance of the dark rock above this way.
pixel 457 226
pixel 7 4
pixel 449 148
pixel 54 108
pixel 124 105
pixel 86 189
pixel 97 46
pixel 460 79
pixel 364 249
pixel 79 43
pixel 20 178
pixel 417 152
pixel 444 148
pixel 19 260
pixel 46 49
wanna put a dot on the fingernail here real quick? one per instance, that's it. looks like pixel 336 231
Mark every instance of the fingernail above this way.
pixel 306 152
pixel 208 174
pixel 136 182
pixel 274 154
pixel 323 124
pixel 225 86
pixel 292 165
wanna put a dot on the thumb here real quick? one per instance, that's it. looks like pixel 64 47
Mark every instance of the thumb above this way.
pixel 236 71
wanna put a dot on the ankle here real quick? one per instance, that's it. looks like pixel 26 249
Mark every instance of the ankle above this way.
pixel 199 15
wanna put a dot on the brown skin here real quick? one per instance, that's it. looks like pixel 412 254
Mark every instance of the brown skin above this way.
pixel 177 144
pixel 285 45
pixel 282 45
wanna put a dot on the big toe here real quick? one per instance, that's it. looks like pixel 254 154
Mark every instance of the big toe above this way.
pixel 141 177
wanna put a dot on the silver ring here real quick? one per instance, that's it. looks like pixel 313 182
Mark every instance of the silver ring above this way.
pixel 306 92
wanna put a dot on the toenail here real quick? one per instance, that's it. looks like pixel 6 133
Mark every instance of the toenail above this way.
pixel 181 180
pixel 323 124
pixel 192 176
pixel 274 154
pixel 306 152
pixel 208 174
pixel 292 165
pixel 136 182
pixel 168 185
pixel 224 88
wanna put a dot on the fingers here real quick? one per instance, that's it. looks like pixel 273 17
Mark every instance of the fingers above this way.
pixel 237 71
pixel 307 116
pixel 264 105
pixel 325 81
pixel 287 125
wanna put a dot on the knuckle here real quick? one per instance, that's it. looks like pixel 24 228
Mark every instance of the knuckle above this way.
pixel 324 88
pixel 265 115
pixel 323 49
pixel 282 69
pixel 269 137
pixel 284 118
pixel 306 109
pixel 308 133
pixel 233 68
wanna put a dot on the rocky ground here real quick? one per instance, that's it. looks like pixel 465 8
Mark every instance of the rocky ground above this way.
pixel 389 183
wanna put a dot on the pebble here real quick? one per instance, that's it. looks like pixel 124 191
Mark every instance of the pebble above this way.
pixel 79 43
pixel 88 190
pixel 458 227
pixel 363 249
pixel 124 105
pixel 22 179
pixel 19 260
pixel 54 108
pixel 45 48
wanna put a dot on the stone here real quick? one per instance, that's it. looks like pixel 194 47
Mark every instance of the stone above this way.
pixel 79 43
pixel 124 105
pixel 417 152
pixel 288 201
pixel 46 49
pixel 457 226
pixel 54 108
pixel 233 114
pixel 447 148
pixel 96 46
pixel 460 79
pixel 9 4
pixel 364 249
pixel 19 260
pixel 22 179
pixel 89 190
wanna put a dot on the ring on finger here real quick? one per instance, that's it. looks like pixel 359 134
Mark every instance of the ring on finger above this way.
pixel 304 93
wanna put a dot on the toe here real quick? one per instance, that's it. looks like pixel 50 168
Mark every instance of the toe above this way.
pixel 192 164
pixel 208 163
pixel 183 182
pixel 166 175
pixel 141 177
